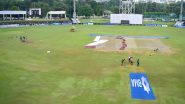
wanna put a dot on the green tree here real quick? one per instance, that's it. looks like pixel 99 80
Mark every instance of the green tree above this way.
pixel 45 8
pixel 58 6
pixel 86 10
pixel 92 6
pixel 15 8
pixel 115 9
pixel 1 5
pixel 98 10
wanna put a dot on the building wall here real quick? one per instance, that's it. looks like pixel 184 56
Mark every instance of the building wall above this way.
pixel 132 18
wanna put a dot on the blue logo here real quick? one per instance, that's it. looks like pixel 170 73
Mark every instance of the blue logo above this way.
pixel 140 87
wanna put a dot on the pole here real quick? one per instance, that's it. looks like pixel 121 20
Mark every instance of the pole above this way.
pixel 10 16
pixel 181 16
pixel 50 16
pixel 3 17
pixel 23 17
pixel 74 11
pixel 119 6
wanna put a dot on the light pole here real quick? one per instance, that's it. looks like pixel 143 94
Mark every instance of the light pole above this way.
pixel 181 16
pixel 74 11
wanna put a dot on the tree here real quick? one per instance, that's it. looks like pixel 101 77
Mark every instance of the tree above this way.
pixel 98 10
pixel 115 9
pixel 69 4
pixel 14 8
pixel 1 5
pixel 45 8
pixel 86 10
pixel 87 7
pixel 58 6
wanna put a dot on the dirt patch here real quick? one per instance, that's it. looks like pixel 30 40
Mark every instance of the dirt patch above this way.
pixel 28 42
pixel 134 45
pixel 112 45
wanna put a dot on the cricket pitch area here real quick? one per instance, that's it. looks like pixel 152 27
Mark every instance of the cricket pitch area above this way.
pixel 134 45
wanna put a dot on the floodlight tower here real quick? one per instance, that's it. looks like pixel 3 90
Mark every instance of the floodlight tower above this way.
pixel 74 11
pixel 181 16
pixel 127 6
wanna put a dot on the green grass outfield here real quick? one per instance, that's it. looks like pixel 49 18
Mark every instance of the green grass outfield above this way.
pixel 71 74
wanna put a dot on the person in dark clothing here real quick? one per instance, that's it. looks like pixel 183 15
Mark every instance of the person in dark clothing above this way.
pixel 156 50
pixel 20 38
pixel 130 60
pixel 122 61
pixel 138 63
pixel 24 39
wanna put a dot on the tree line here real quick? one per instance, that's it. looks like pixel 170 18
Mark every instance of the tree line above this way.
pixel 90 7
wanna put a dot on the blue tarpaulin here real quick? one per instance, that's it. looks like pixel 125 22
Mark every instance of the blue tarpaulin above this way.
pixel 127 36
pixel 140 87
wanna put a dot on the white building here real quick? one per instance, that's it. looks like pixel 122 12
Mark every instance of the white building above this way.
pixel 36 12
pixel 56 14
pixel 101 0
pixel 126 19
pixel 12 15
